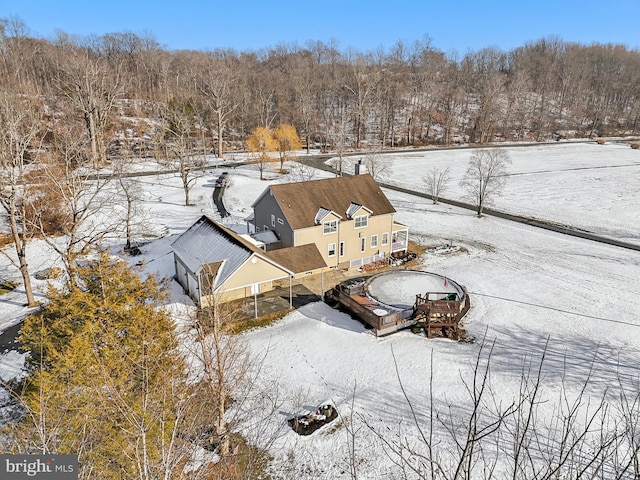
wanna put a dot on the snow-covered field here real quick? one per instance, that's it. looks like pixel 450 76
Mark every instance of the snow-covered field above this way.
pixel 529 288
pixel 585 185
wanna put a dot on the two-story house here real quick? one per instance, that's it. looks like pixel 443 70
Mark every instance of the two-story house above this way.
pixel 349 219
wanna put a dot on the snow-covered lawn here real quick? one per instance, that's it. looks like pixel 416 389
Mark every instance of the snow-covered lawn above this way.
pixel 585 185
pixel 527 287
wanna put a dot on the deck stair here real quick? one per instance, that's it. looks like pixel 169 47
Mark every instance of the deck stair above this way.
pixel 439 317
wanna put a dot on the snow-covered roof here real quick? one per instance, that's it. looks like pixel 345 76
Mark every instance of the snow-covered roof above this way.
pixel 323 213
pixel 208 242
pixel 266 237
pixel 354 208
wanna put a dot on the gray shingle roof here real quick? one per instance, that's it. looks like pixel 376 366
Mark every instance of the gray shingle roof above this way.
pixel 207 242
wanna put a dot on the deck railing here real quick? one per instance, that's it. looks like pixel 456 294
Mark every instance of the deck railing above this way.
pixel 358 262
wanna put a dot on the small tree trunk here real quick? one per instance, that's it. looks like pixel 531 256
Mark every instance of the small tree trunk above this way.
pixel 128 225
pixel 20 243
pixel 28 289
pixel 220 128
pixel 186 196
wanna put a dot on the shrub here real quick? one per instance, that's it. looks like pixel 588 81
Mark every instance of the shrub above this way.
pixel 600 141
pixel 7 286
pixel 635 145
pixel 5 239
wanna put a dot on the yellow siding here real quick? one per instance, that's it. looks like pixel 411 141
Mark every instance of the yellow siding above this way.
pixel 249 273
pixel 347 233
pixel 239 284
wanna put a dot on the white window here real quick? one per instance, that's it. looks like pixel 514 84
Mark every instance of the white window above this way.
pixel 280 221
pixel 361 221
pixel 385 239
pixel 374 241
pixel 342 249
pixel 329 227
pixel 363 244
pixel 332 249
pixel 273 220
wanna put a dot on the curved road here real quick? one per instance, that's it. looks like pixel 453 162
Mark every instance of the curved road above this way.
pixel 567 230
pixel 8 337
pixel 317 161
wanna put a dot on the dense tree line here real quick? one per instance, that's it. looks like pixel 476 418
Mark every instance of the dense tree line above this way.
pixel 408 94
pixel 106 376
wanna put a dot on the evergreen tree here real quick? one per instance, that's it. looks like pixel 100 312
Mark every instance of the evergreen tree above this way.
pixel 105 378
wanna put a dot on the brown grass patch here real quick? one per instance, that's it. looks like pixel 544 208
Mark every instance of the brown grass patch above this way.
pixel 5 240
pixel 243 325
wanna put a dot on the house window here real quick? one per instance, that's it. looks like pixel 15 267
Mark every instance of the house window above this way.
pixel 363 244
pixel 342 249
pixel 266 229
pixel 280 221
pixel 361 221
pixel 273 220
pixel 332 249
pixel 385 239
pixel 329 227
pixel 374 241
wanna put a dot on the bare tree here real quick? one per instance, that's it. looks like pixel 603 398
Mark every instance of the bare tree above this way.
pixel 436 182
pixel 217 83
pixel 93 90
pixel 377 165
pixel 299 172
pixel 178 144
pixel 132 195
pixel 20 136
pixel 578 435
pixel 485 176
pixel 224 362
pixel 68 178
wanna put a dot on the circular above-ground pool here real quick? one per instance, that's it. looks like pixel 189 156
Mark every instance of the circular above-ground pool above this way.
pixel 399 288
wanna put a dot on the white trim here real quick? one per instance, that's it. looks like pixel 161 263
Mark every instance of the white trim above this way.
pixel 355 221
pixel 371 243
pixel 384 242
pixel 328 222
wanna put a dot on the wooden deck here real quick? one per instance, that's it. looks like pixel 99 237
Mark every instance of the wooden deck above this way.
pixel 437 313
pixel 441 317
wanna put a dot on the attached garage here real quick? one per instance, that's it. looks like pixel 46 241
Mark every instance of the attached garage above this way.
pixel 212 261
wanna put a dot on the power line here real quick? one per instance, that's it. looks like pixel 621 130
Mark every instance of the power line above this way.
pixel 555 309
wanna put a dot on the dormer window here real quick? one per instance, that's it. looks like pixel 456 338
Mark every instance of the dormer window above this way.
pixel 361 221
pixel 329 227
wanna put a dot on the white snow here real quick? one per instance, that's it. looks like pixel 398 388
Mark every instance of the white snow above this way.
pixel 585 185
pixel 527 287
pixel 400 288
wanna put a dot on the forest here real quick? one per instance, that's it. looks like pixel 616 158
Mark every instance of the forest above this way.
pixel 118 88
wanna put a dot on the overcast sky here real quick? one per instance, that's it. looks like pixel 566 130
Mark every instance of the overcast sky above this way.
pixel 365 25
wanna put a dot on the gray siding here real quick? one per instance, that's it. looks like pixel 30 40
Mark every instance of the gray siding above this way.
pixel 263 209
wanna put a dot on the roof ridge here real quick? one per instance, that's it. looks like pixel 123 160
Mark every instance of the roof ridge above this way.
pixel 233 236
